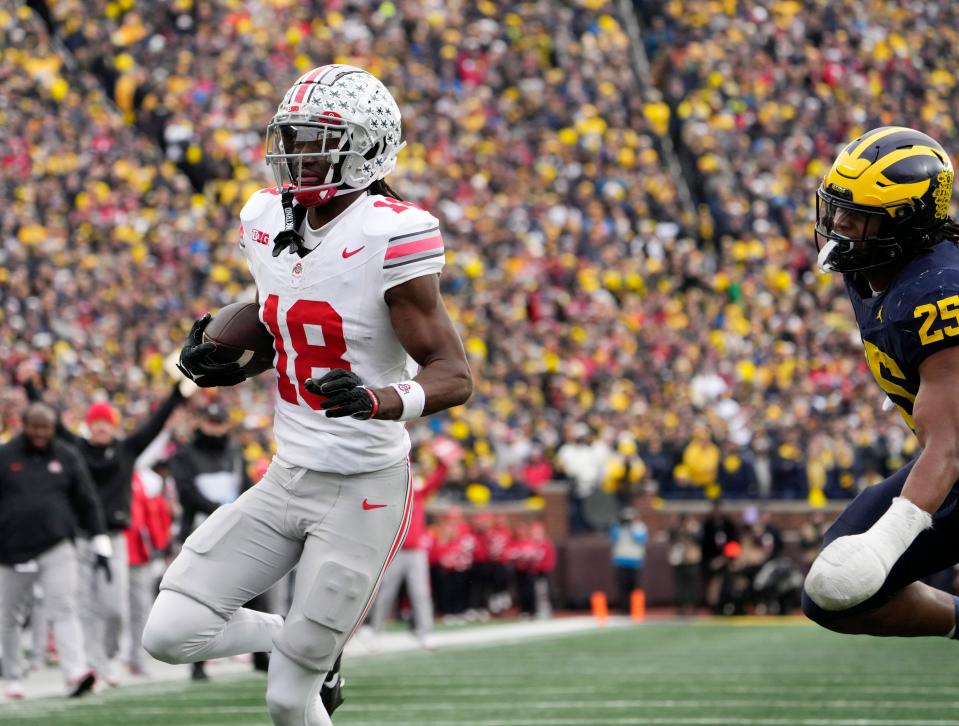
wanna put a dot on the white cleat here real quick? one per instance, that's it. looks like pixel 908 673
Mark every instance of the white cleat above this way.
pixel 14 691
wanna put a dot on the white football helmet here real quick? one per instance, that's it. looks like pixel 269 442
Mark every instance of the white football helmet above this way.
pixel 336 121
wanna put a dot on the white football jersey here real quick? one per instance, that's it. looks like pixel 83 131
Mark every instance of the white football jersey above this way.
pixel 326 310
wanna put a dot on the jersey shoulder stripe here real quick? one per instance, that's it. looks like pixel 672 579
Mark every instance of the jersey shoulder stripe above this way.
pixel 413 247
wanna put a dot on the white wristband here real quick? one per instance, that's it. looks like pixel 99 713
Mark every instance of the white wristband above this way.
pixel 413 397
pixel 101 545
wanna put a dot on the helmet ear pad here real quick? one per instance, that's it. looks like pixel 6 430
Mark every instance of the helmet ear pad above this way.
pixel 360 169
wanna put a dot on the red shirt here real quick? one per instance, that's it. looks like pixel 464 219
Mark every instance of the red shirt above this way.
pixel 417 537
pixel 150 524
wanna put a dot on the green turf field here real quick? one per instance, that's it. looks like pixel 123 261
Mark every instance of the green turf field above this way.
pixel 704 674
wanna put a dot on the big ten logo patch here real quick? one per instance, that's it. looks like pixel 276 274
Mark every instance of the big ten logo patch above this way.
pixel 260 236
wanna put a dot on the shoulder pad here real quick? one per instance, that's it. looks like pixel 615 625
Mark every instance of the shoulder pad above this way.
pixel 258 203
pixel 387 218
pixel 927 287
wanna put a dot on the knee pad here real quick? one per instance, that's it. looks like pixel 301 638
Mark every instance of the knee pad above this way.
pixel 315 633
pixel 178 627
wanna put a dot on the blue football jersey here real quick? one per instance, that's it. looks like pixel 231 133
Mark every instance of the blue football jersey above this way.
pixel 917 315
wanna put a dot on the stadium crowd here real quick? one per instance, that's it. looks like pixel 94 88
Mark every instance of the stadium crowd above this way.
pixel 615 340
pixel 621 339
pixel 600 317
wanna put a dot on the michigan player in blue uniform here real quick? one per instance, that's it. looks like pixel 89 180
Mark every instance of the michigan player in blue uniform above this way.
pixel 882 220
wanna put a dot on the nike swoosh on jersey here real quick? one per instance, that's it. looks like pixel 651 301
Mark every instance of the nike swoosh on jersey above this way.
pixel 367 505
pixel 348 254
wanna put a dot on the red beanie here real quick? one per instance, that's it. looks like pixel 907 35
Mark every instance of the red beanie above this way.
pixel 102 411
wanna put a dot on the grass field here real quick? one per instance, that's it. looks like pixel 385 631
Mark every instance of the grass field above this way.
pixel 699 674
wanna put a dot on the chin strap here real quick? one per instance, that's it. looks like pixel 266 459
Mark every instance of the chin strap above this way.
pixel 292 219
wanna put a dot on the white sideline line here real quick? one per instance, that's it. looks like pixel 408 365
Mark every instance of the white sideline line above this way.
pixel 672 721
pixel 640 703
pixel 411 690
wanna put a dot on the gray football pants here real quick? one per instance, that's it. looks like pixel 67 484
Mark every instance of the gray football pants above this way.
pixel 413 567
pixel 57 570
pixel 339 531
pixel 142 591
pixel 104 606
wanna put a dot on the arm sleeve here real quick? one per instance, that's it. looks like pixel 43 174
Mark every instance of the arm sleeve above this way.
pixel 151 428
pixel 413 254
pixel 434 481
pixel 184 476
pixel 83 496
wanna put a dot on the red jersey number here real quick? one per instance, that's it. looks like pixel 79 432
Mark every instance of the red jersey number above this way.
pixel 308 356
pixel 397 205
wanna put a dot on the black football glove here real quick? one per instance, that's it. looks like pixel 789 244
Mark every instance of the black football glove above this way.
pixel 103 563
pixel 196 366
pixel 345 395
pixel 331 692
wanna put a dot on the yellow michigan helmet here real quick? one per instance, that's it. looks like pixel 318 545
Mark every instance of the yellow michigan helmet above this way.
pixel 885 198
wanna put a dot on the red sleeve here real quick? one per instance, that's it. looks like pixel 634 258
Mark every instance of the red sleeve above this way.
pixel 547 557
pixel 435 480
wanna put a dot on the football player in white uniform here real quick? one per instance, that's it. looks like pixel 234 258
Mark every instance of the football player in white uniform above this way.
pixel 347 282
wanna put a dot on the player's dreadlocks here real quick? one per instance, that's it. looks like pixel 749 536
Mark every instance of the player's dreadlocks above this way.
pixel 381 187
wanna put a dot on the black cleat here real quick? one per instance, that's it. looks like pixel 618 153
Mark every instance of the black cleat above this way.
pixel 332 691
pixel 261 662
pixel 199 672
pixel 83 685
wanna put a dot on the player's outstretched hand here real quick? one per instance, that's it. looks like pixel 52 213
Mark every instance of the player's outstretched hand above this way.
pixel 195 364
pixel 345 395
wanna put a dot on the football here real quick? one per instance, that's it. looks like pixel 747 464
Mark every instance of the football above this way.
pixel 241 338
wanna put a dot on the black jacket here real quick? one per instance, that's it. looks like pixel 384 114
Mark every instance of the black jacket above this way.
pixel 111 466
pixel 204 455
pixel 44 496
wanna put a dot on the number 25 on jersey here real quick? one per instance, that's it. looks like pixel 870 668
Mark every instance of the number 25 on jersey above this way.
pixel 305 319
pixel 946 309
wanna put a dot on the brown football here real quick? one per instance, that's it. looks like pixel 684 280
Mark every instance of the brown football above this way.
pixel 240 337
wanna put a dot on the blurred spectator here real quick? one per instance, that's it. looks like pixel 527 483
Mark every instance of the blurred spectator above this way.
pixel 209 471
pixel 410 566
pixel 629 536
pixel 717 532
pixel 46 494
pixel 811 533
pixel 698 474
pixel 685 557
pixel 788 467
pixel 737 476
pixel 109 455
pixel 498 542
pixel 743 560
pixel 625 472
pixel 149 537
pixel 583 459
pixel 534 557
pixel 454 546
